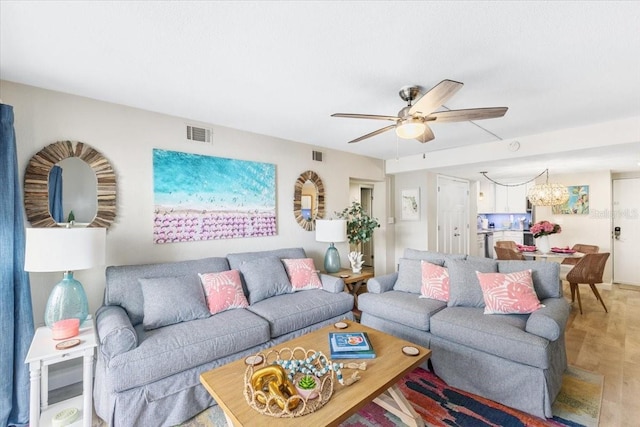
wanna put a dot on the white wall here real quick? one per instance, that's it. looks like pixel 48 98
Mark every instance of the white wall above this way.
pixel 411 234
pixel 126 136
pixel 592 229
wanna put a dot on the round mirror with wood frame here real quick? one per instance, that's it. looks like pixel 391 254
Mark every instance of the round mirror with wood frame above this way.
pixel 307 221
pixel 36 183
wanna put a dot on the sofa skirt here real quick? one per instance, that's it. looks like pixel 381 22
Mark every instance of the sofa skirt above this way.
pixel 523 387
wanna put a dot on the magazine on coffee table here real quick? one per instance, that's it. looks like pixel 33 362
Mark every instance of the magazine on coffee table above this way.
pixel 350 345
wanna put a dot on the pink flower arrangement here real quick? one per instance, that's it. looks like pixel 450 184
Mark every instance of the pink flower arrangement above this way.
pixel 544 228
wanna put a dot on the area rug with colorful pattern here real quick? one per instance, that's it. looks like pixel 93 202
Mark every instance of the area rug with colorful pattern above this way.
pixel 578 404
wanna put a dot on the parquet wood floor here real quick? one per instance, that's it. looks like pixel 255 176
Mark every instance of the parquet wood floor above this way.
pixel 610 345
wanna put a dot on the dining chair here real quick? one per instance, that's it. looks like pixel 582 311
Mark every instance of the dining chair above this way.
pixel 588 270
pixel 509 244
pixel 508 254
pixel 567 264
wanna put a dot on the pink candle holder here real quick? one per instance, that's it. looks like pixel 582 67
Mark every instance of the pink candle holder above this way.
pixel 66 328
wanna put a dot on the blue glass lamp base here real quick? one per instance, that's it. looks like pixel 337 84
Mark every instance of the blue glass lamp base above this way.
pixel 332 260
pixel 67 300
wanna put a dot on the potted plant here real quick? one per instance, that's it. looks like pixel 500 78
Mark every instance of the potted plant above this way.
pixel 307 387
pixel 360 227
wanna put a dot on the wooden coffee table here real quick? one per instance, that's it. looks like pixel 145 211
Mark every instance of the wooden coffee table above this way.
pixel 377 383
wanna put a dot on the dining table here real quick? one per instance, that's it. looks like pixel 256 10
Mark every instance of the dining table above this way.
pixel 546 255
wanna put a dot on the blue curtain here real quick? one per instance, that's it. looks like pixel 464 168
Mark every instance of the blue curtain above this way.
pixel 55 194
pixel 16 313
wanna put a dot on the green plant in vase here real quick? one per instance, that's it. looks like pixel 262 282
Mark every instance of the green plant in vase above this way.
pixel 360 227
pixel 307 387
pixel 307 382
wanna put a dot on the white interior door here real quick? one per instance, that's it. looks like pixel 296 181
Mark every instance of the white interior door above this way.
pixel 453 215
pixel 626 231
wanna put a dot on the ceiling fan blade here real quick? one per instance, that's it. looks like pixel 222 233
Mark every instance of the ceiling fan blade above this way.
pixel 468 114
pixel 374 133
pixel 366 116
pixel 426 136
pixel 438 95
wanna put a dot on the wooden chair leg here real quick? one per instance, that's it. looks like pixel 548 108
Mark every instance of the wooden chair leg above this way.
pixel 597 294
pixel 574 286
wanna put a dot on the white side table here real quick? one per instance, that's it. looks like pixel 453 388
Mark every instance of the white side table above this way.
pixel 43 353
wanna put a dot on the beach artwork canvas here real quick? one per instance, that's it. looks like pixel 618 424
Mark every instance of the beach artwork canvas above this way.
pixel 200 197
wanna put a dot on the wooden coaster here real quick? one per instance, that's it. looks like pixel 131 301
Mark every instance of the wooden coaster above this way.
pixel 253 360
pixel 67 344
pixel 410 351
pixel 340 325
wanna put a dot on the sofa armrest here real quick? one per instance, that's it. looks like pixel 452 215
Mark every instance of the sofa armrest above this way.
pixel 332 284
pixel 381 284
pixel 115 331
pixel 550 321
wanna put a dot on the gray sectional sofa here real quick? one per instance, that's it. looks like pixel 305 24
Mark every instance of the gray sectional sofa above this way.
pixel 156 337
pixel 515 359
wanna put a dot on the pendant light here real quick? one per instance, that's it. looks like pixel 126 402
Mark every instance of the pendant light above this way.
pixel 548 194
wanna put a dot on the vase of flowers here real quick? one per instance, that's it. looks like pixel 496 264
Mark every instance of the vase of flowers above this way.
pixel 541 231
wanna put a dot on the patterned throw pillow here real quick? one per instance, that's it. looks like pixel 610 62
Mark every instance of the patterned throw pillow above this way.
pixel 223 291
pixel 302 274
pixel 435 282
pixel 510 293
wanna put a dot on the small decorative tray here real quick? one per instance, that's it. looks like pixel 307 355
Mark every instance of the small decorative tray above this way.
pixel 295 405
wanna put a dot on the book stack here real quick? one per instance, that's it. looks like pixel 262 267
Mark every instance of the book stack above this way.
pixel 350 345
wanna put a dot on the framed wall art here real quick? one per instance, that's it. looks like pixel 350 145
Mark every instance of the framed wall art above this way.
pixel 578 203
pixel 199 197
pixel 410 202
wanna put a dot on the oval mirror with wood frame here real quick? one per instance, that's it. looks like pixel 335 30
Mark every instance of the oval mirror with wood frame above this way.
pixel 308 200
pixel 36 183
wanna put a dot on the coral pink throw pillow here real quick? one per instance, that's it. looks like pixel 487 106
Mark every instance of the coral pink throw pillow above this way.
pixel 302 274
pixel 435 282
pixel 223 291
pixel 511 293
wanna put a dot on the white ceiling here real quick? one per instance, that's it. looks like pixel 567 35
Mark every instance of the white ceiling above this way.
pixel 281 68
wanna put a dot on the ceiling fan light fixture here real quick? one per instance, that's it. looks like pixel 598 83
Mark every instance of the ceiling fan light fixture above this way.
pixel 411 128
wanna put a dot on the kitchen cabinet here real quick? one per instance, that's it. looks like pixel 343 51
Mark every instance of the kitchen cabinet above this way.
pixel 511 199
pixel 486 197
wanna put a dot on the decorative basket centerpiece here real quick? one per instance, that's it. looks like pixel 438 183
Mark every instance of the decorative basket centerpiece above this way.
pixel 271 387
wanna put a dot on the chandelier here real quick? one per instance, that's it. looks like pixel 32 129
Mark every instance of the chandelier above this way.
pixel 548 194
pixel 540 194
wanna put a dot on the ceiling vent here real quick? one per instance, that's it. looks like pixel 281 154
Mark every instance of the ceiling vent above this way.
pixel 316 155
pixel 199 134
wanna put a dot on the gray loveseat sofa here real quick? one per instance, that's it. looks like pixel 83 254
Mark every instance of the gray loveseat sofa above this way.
pixel 156 337
pixel 515 359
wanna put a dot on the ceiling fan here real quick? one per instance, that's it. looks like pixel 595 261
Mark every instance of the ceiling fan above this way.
pixel 411 121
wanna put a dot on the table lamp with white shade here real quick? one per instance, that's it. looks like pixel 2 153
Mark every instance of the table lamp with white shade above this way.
pixel 331 231
pixel 66 250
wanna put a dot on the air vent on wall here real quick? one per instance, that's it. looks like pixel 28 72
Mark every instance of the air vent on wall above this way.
pixel 200 134
pixel 317 156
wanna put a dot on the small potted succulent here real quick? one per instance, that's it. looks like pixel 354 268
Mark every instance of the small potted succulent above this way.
pixel 308 387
